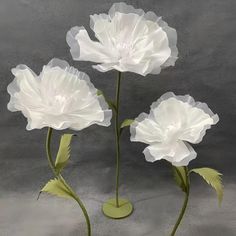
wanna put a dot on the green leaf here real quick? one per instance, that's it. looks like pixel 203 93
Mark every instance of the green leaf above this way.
pixel 213 178
pixel 99 92
pixel 126 122
pixel 57 188
pixel 112 105
pixel 180 177
pixel 63 154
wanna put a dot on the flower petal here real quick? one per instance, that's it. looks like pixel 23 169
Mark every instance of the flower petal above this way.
pixel 145 130
pixel 171 36
pixel 103 29
pixel 179 153
pixel 27 82
pixel 124 8
pixel 55 62
pixel 191 119
pixel 83 48
pixel 73 43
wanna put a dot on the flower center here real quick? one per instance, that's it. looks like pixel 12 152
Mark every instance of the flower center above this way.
pixel 172 133
pixel 57 104
pixel 123 49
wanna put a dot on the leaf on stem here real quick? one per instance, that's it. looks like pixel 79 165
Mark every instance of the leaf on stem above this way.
pixel 180 177
pixel 213 178
pixel 125 123
pixel 63 153
pixel 57 188
pixel 111 104
pixel 99 92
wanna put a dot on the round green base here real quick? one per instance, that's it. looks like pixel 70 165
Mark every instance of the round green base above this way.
pixel 124 210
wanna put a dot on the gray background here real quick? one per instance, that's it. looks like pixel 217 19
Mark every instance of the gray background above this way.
pixel 33 32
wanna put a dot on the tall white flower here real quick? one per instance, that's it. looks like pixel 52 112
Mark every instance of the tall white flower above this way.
pixel 60 97
pixel 128 40
pixel 172 123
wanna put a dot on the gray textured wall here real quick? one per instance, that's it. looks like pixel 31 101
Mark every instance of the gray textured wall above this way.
pixel 32 32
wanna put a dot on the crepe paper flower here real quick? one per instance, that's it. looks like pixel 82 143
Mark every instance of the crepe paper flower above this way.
pixel 128 39
pixel 60 97
pixel 173 123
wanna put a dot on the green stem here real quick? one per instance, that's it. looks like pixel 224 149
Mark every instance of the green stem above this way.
pixel 48 150
pixel 117 133
pixel 180 176
pixel 59 176
pixel 77 199
pixel 183 210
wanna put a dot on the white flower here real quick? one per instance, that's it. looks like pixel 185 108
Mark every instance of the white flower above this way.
pixel 173 121
pixel 60 97
pixel 128 40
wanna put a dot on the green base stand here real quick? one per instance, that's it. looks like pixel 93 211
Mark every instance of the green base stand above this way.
pixel 124 210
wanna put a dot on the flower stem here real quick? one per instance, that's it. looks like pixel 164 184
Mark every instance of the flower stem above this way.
pixel 77 199
pixel 48 150
pixel 182 212
pixel 59 176
pixel 117 133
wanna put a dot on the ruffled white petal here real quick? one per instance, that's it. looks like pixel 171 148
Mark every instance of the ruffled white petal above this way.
pixel 84 49
pixel 128 40
pixel 178 153
pixel 23 88
pixel 188 118
pixel 60 97
pixel 72 42
pixel 145 130
pixel 172 40
pixel 122 7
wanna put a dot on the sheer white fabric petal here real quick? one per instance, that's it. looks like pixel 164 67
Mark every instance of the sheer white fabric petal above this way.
pixel 182 115
pixel 72 42
pixel 178 153
pixel 83 48
pixel 145 130
pixel 60 97
pixel 172 122
pixel 125 9
pixel 23 87
pixel 128 40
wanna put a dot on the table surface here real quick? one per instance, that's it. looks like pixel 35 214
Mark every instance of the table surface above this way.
pixel 156 200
